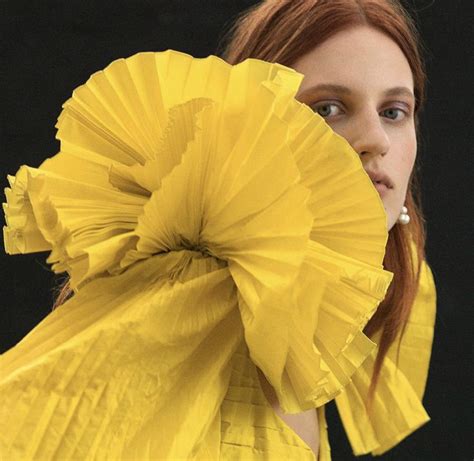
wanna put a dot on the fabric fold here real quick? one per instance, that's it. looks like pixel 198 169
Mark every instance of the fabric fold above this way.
pixel 97 378
pixel 398 408
pixel 319 323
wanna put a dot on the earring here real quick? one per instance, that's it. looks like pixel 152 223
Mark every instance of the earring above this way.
pixel 404 218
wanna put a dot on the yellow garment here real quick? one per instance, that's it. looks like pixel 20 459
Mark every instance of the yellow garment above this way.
pixel 398 397
pixel 210 223
pixel 398 407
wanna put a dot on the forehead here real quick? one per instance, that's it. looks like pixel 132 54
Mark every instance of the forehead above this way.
pixel 362 58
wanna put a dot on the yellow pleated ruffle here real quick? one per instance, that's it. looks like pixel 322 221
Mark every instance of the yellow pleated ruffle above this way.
pixel 398 409
pixel 196 206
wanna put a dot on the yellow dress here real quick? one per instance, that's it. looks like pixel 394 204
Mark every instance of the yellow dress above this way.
pixel 210 224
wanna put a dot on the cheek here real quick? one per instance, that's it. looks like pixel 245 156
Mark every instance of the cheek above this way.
pixel 407 159
pixel 408 165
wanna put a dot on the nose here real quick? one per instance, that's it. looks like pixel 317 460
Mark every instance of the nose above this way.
pixel 369 136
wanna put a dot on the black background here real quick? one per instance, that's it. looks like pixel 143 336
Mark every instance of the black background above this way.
pixel 49 48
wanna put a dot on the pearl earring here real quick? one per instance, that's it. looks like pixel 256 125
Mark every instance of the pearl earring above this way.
pixel 404 218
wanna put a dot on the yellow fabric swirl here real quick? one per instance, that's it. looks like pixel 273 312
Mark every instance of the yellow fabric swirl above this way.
pixel 195 205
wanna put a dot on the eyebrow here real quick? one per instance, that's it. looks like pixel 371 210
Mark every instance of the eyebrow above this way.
pixel 341 89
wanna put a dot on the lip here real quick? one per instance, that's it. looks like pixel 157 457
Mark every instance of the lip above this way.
pixel 381 177
pixel 382 189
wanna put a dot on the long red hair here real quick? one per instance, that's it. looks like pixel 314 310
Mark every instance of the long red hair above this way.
pixel 282 31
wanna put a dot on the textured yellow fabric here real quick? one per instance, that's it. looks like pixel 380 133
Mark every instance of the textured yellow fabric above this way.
pixel 398 409
pixel 210 223
pixel 251 429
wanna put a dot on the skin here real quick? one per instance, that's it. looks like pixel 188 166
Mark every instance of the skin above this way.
pixel 380 128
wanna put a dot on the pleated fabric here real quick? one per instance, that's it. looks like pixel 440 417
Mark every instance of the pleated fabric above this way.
pixel 210 224
pixel 398 408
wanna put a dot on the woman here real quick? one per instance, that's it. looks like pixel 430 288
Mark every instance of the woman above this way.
pixel 364 74
pixel 197 329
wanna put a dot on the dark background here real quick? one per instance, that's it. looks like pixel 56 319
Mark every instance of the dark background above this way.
pixel 49 48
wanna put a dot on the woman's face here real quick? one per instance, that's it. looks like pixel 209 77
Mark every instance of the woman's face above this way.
pixel 375 110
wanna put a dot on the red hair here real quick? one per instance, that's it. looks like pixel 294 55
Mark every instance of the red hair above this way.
pixel 282 31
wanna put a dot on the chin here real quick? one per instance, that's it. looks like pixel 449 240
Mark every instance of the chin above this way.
pixel 392 214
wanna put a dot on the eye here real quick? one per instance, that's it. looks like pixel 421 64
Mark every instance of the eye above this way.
pixel 324 109
pixel 393 111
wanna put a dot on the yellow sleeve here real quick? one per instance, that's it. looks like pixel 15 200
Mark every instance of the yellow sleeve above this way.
pixel 398 408
pixel 123 365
